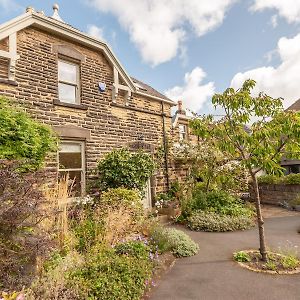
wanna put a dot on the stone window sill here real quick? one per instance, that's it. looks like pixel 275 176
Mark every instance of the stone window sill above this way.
pixel 9 82
pixel 70 105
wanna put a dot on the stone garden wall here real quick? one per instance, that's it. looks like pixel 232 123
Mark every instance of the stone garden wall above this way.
pixel 277 193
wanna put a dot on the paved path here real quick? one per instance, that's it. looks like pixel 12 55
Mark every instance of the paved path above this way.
pixel 212 275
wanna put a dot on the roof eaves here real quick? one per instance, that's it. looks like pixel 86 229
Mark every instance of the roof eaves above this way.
pixel 47 23
pixel 169 101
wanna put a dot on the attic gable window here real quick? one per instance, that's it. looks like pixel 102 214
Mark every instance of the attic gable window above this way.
pixel 68 82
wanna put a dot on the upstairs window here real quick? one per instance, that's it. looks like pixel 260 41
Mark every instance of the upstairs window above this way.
pixel 182 132
pixel 68 82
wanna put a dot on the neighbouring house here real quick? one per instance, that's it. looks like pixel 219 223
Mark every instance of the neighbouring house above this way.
pixel 292 165
pixel 75 83
pixel 181 134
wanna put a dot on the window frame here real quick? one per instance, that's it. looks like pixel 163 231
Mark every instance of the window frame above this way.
pixel 83 162
pixel 183 135
pixel 77 85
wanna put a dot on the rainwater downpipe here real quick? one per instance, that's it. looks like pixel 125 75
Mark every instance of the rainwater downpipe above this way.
pixel 165 145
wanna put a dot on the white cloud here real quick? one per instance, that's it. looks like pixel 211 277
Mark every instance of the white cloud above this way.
pixel 281 81
pixel 288 9
pixel 159 28
pixel 96 32
pixel 193 93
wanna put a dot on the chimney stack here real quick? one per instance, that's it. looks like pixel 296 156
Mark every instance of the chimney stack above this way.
pixel 180 109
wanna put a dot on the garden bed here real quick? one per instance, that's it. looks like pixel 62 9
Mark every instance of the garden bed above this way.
pixel 277 263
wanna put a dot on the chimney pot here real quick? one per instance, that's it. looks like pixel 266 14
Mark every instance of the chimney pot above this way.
pixel 29 9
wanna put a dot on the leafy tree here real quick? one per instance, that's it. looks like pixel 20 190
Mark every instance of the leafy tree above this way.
pixel 258 146
pixel 207 163
pixel 123 168
pixel 22 137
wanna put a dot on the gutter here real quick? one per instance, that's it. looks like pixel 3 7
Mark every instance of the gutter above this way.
pixel 156 98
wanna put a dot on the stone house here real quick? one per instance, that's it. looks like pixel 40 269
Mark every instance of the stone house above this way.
pixel 74 83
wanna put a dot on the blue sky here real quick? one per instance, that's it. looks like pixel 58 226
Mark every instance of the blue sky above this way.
pixel 191 49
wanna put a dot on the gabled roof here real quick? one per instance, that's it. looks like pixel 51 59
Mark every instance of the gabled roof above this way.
pixel 295 106
pixel 62 29
pixel 39 20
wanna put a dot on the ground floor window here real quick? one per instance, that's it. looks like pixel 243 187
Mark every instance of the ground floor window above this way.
pixel 71 161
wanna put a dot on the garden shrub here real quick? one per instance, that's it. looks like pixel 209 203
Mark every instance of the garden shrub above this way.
pixel 273 179
pixel 87 229
pixel 114 198
pixel 219 202
pixel 291 179
pixel 107 275
pixel 22 209
pixel 241 256
pixel 211 221
pixel 269 179
pixel 176 241
pixel 136 249
pixel 23 138
pixel 123 168
pixel 55 283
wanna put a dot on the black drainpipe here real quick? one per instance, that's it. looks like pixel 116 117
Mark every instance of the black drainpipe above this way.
pixel 163 114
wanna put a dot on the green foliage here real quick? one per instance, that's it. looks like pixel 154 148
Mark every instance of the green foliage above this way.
pixel 210 221
pixel 206 162
pixel 86 230
pixel 273 179
pixel 170 239
pixel 290 262
pixel 107 275
pixel 123 168
pixel 260 145
pixel 56 283
pixel 219 202
pixel 269 179
pixel 291 179
pixel 241 256
pixel 136 249
pixel 23 138
pixel 271 265
pixel 115 197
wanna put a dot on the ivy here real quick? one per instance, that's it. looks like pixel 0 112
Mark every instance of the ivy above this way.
pixel 123 168
pixel 22 137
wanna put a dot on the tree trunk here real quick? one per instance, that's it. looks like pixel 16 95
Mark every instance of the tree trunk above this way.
pixel 260 221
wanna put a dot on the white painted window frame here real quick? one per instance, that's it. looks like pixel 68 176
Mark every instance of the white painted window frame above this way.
pixel 83 163
pixel 76 85
pixel 182 133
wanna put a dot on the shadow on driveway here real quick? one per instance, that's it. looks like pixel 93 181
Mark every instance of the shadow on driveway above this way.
pixel 212 275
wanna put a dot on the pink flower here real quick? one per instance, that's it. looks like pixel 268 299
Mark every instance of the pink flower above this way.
pixel 21 297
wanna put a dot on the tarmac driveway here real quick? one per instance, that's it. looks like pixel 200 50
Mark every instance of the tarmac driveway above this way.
pixel 212 275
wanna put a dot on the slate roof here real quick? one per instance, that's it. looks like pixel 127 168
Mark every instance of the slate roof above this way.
pixel 295 106
pixel 147 89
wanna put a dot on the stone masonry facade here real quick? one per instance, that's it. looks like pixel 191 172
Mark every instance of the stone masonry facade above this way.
pixel 109 124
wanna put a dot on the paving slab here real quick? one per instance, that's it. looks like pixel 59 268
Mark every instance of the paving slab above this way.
pixel 213 275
